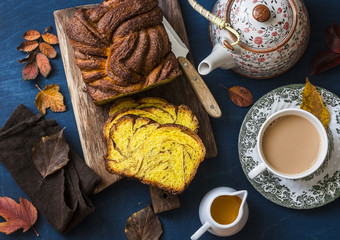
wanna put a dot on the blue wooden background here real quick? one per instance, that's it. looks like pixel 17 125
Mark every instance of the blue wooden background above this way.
pixel 115 204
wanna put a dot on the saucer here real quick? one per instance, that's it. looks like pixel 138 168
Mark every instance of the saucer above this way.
pixel 315 190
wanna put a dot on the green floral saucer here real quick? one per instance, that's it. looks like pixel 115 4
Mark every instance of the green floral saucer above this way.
pixel 316 190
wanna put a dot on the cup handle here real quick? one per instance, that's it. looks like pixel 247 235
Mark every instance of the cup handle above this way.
pixel 257 170
pixel 200 231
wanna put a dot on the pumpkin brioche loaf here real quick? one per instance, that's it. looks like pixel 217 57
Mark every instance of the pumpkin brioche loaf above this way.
pixel 121 48
pixel 166 156
pixel 181 114
pixel 128 103
pixel 157 109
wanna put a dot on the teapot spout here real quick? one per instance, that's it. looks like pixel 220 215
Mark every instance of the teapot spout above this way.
pixel 218 58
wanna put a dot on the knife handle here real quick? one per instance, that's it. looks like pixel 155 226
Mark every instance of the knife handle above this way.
pixel 202 91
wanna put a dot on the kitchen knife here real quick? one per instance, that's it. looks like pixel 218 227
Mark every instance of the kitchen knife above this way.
pixel 202 91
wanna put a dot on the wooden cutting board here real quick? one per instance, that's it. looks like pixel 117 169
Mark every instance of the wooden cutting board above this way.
pixel 91 118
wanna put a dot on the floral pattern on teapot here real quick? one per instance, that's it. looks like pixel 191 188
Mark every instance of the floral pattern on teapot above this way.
pixel 262 36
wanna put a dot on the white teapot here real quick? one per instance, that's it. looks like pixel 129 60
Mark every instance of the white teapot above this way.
pixel 256 38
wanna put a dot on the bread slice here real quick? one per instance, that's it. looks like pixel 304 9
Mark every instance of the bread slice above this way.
pixel 157 109
pixel 128 103
pixel 166 156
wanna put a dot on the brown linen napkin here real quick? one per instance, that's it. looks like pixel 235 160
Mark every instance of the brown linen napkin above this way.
pixel 63 197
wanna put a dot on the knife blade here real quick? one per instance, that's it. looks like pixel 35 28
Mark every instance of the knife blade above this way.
pixel 201 89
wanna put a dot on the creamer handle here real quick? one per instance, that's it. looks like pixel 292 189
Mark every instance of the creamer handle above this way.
pixel 200 231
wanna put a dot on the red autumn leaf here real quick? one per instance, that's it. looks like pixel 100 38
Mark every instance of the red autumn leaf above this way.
pixel 29 58
pixel 31 35
pixel 48 50
pixel 17 216
pixel 241 96
pixel 50 38
pixel 28 46
pixel 30 71
pixel 43 64
pixel 332 37
pixel 323 61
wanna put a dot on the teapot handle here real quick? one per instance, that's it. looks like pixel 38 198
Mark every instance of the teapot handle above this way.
pixel 216 20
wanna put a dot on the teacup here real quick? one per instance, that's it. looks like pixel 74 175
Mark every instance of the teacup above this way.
pixel 223 211
pixel 292 144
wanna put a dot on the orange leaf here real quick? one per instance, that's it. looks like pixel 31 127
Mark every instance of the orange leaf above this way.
pixel 50 38
pixel 17 216
pixel 28 46
pixel 30 71
pixel 43 64
pixel 241 96
pixel 51 98
pixel 31 35
pixel 48 50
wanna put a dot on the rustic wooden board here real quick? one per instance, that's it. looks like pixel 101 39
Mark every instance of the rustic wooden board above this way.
pixel 91 118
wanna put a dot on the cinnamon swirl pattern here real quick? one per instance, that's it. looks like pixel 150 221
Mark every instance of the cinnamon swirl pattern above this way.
pixel 121 48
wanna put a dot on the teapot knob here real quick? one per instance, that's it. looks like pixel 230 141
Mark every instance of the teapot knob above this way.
pixel 261 13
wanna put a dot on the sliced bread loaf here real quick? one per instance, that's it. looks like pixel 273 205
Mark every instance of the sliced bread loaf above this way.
pixel 156 109
pixel 166 156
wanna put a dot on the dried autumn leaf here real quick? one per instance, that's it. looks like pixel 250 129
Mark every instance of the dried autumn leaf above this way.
pixel 47 29
pixel 31 35
pixel 50 38
pixel 51 98
pixel 17 216
pixel 143 225
pixel 48 50
pixel 312 102
pixel 332 37
pixel 325 60
pixel 43 64
pixel 29 58
pixel 30 71
pixel 28 46
pixel 241 96
pixel 50 154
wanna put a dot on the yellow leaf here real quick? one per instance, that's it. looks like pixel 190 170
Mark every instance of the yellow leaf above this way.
pixel 50 38
pixel 51 98
pixel 312 102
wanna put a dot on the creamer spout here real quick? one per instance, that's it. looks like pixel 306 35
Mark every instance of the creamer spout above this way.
pixel 243 194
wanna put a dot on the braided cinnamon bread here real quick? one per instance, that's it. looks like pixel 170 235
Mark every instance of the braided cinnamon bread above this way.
pixel 121 48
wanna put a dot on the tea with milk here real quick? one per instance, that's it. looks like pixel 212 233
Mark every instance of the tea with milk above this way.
pixel 291 144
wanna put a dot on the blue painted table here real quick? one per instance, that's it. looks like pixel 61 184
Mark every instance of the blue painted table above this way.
pixel 115 204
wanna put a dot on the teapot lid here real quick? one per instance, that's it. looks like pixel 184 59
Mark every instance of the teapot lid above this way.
pixel 263 25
